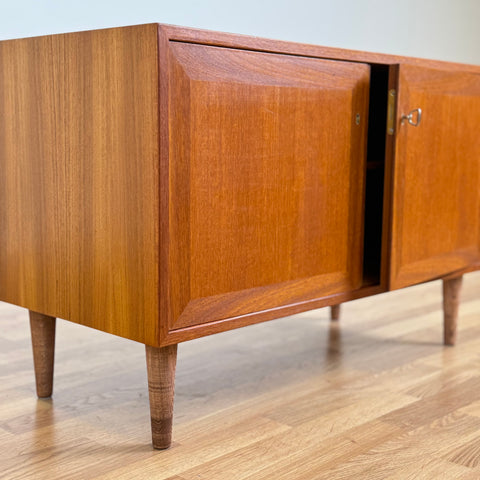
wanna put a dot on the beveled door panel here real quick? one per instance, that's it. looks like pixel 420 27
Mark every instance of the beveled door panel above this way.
pixel 436 200
pixel 266 182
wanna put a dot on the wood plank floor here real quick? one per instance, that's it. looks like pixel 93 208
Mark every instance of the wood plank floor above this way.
pixel 375 396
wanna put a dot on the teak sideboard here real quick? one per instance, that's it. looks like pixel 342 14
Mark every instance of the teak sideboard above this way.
pixel 163 183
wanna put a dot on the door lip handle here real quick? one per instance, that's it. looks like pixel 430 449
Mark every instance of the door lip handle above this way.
pixel 410 115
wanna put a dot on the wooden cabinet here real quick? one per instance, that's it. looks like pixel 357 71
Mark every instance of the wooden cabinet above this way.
pixel 161 184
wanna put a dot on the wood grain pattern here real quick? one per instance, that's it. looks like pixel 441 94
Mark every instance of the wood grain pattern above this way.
pixel 267 180
pixel 42 328
pixel 79 184
pixel 452 289
pixel 244 405
pixel 161 364
pixel 467 455
pixel 436 200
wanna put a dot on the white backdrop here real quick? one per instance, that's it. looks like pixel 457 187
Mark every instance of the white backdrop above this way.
pixel 442 29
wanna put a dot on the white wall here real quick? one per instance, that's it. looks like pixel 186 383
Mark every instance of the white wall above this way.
pixel 442 29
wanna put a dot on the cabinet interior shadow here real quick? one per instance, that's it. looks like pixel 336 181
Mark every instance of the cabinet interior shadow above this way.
pixel 375 174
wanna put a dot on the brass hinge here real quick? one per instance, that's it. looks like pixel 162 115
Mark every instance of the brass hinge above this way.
pixel 392 95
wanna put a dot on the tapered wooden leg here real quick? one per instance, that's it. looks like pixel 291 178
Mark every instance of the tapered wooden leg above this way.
pixel 42 329
pixel 335 312
pixel 161 364
pixel 451 301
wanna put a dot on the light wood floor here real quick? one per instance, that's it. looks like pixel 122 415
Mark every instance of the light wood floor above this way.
pixel 375 397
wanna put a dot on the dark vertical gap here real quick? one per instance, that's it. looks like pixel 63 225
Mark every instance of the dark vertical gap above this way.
pixel 372 246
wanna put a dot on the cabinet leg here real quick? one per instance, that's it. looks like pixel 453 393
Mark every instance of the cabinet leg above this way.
pixel 451 301
pixel 335 312
pixel 42 329
pixel 161 364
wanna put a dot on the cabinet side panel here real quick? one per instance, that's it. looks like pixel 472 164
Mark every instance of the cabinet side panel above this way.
pixel 79 182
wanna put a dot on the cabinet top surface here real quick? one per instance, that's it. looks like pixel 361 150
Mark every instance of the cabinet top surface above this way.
pixel 240 41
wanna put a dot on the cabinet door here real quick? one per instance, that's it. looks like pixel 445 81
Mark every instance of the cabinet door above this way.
pixel 436 199
pixel 266 182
